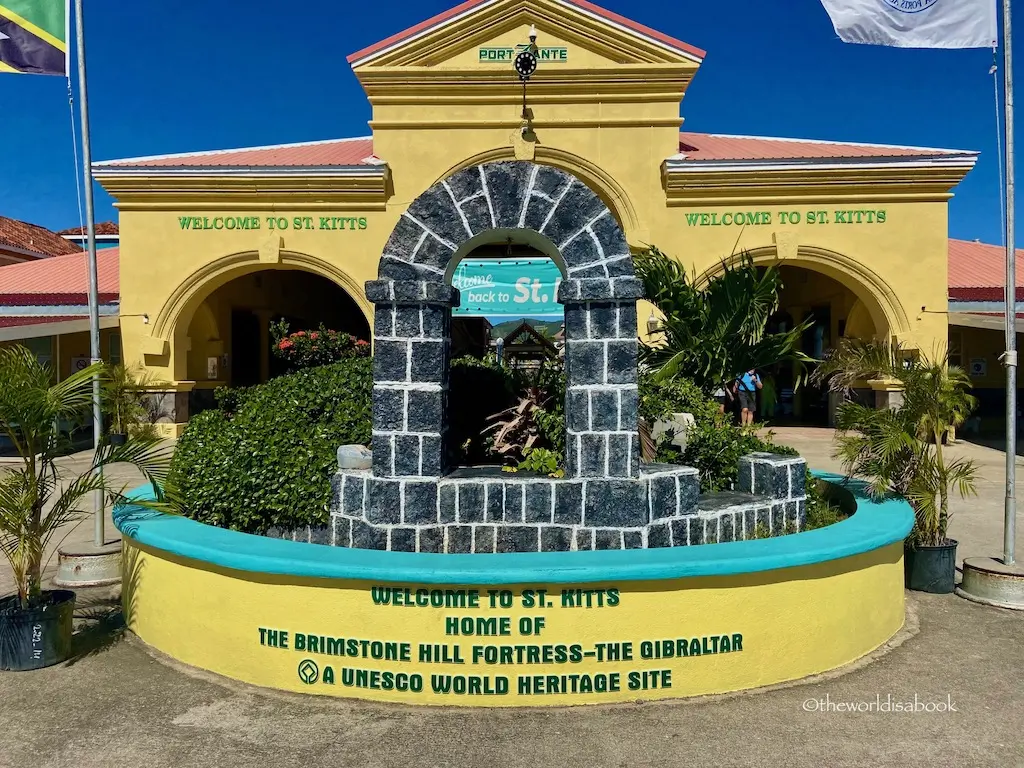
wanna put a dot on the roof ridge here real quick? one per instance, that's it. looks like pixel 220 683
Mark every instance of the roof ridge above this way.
pixel 209 152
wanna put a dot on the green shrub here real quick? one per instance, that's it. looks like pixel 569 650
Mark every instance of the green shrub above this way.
pixel 308 349
pixel 658 399
pixel 268 461
pixel 477 389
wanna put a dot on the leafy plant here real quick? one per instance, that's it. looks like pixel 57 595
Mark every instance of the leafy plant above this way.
pixel 899 450
pixel 267 462
pixel 480 388
pixel 36 499
pixel 714 331
pixel 123 401
pixel 306 349
pixel 535 421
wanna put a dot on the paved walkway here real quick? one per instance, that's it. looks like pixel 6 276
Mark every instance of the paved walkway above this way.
pixel 116 703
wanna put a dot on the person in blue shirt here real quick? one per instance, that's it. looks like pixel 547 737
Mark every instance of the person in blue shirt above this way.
pixel 748 384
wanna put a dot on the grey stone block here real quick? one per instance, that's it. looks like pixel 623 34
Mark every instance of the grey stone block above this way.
pixel 518 538
pixel 334 501
pixel 611 237
pixel 428 361
pixel 460 539
pixel 432 453
pixel 581 251
pixel 572 455
pixel 447 494
pixel 355 495
pixel 383 321
pixel 407 455
pixel 436 210
pixel 615 504
pixel 798 480
pixel 506 184
pixel 426 410
pixel 342 532
pixel 627 288
pixel 390 361
pixel 388 409
pixel 483 538
pixel 383 455
pixel 471 501
pixel 577 413
pixel 403 240
pixel 602 320
pixel 585 361
pixel 622 362
pixel 604 410
pixel 381 291
pixel 395 269
pixel 403 539
pixel 605 539
pixel 593 455
pixel 762 521
pixel 537 209
pixel 795 515
pixel 551 182
pixel 621 267
pixel 680 532
pixel 433 322
pixel 465 183
pixel 555 539
pixel 494 509
pixel 431 540
pixel 664 497
pixel 576 321
pixel 778 519
pixel 538 502
pixel 568 502
pixel 689 493
pixel 433 253
pixel 632 540
pixel 514 502
pixel 320 534
pixel 578 205
pixel 726 528
pixel 366 536
pixel 749 521
pixel 623 455
pixel 584 539
pixel 383 502
pixel 478 214
pixel 407 321
pixel 628 327
pixel 629 410
pixel 420 503
pixel 594 288
pixel 696 527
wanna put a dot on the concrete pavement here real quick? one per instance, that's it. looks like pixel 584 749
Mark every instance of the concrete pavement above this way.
pixel 118 703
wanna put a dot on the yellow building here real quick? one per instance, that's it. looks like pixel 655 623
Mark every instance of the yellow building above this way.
pixel 215 245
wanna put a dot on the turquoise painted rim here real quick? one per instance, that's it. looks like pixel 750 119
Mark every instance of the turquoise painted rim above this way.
pixel 876 524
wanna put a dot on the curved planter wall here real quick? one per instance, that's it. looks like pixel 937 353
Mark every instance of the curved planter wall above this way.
pixel 516 629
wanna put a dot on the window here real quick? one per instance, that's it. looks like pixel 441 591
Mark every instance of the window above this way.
pixel 114 353
pixel 956 348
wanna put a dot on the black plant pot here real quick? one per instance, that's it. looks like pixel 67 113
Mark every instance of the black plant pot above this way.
pixel 116 438
pixel 38 637
pixel 931 569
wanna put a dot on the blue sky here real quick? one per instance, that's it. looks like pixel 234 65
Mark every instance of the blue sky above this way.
pixel 229 73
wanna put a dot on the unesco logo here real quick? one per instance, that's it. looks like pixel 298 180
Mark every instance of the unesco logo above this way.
pixel 309 672
pixel 910 6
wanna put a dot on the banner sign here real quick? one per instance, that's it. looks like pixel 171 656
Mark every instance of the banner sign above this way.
pixel 552 55
pixel 513 287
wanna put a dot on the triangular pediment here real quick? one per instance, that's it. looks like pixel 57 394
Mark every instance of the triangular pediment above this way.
pixel 485 34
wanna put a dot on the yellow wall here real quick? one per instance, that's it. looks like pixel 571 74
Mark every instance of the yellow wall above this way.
pixel 211 618
pixel 610 115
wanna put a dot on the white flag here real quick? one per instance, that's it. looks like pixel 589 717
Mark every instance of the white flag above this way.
pixel 916 23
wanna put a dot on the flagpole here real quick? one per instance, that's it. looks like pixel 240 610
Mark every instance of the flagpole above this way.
pixel 1010 506
pixel 94 304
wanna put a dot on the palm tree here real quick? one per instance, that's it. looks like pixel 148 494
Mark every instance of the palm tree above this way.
pixel 36 501
pixel 715 330
pixel 900 450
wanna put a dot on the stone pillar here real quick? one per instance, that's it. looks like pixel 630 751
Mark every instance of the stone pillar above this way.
pixel 412 341
pixel 602 395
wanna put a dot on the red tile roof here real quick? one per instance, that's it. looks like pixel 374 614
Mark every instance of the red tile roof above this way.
pixel 102 228
pixel 977 271
pixel 711 146
pixel 38 240
pixel 469 5
pixel 60 280
pixel 11 322
pixel 309 154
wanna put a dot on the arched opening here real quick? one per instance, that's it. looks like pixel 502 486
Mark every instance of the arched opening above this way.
pixel 834 310
pixel 229 336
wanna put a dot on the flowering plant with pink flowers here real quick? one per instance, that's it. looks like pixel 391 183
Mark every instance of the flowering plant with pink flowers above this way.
pixel 305 349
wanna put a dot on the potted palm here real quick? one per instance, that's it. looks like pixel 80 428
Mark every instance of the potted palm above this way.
pixel 123 394
pixel 38 501
pixel 900 450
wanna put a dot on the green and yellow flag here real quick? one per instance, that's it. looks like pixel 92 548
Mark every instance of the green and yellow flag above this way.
pixel 34 37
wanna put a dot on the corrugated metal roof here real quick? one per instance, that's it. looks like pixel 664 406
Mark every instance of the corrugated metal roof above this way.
pixel 977 271
pixel 60 280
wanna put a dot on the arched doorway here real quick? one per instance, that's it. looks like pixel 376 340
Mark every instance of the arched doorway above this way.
pixel 229 332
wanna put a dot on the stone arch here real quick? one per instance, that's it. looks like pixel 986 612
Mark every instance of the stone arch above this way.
pixel 507 195
pixel 412 319
pixel 170 326
pixel 878 298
